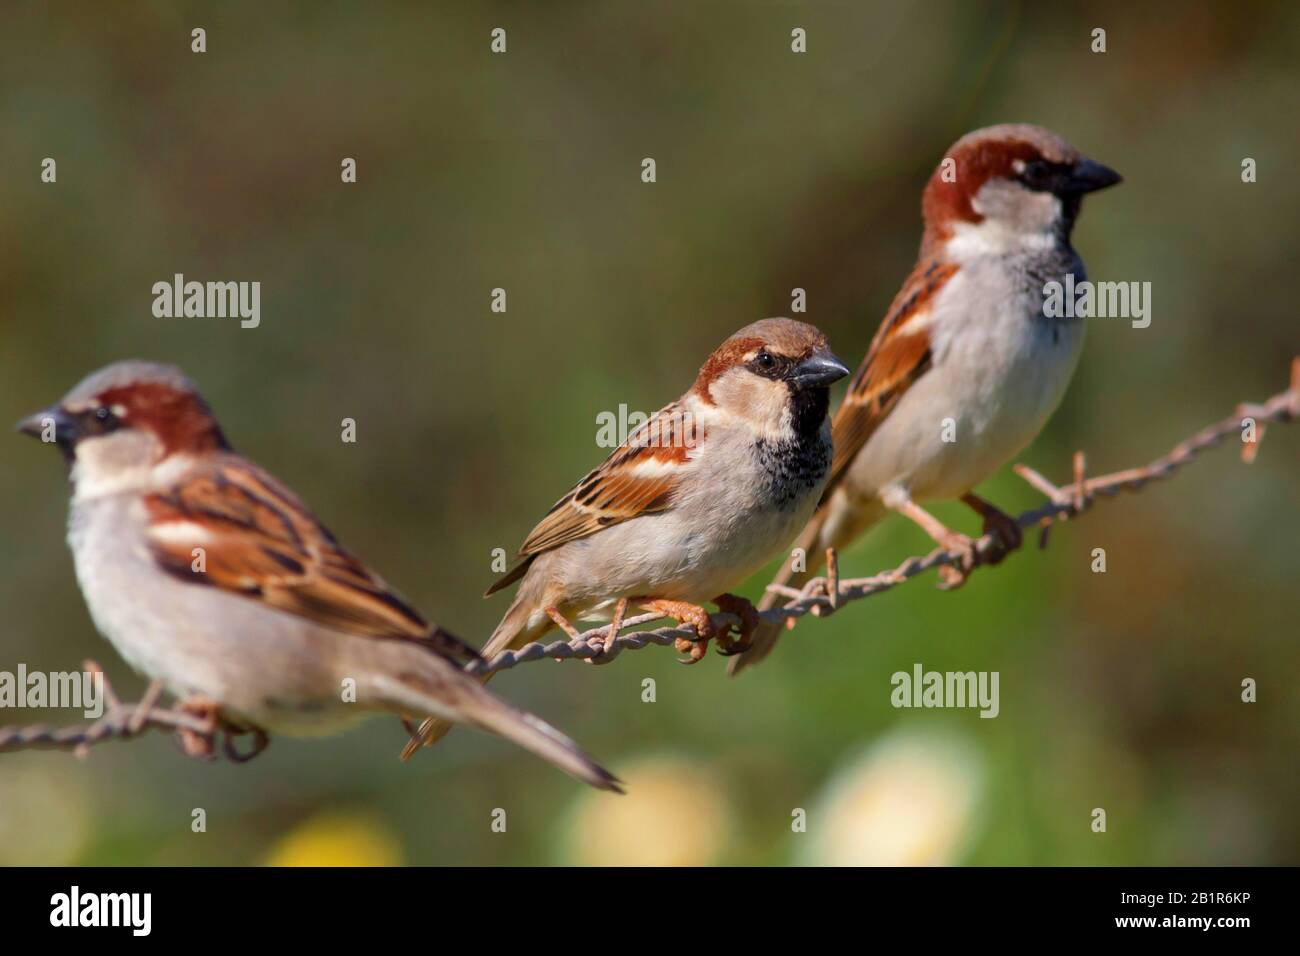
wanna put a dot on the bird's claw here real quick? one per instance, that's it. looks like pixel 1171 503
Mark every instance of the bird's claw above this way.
pixel 706 629
pixel 699 619
pixel 749 622
pixel 695 649
pixel 953 576
pixel 199 744
pixel 1006 535
pixel 260 742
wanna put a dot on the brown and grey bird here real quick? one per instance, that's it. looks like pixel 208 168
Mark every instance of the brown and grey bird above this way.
pixel 968 364
pixel 211 576
pixel 699 498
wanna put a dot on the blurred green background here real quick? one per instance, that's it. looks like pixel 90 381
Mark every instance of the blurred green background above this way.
pixel 775 170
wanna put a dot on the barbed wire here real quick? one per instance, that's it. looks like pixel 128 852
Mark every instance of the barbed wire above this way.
pixel 819 597
pixel 822 596
pixel 121 721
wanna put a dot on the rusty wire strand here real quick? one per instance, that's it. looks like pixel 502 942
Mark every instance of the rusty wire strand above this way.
pixel 818 597
pixel 120 721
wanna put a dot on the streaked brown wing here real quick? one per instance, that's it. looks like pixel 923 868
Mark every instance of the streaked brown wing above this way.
pixel 896 359
pixel 260 541
pixel 638 478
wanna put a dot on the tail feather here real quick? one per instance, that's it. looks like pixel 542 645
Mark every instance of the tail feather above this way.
pixel 489 712
pixel 474 705
pixel 513 631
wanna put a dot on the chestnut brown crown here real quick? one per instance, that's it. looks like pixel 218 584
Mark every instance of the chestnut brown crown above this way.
pixel 145 396
pixel 779 349
pixel 1035 158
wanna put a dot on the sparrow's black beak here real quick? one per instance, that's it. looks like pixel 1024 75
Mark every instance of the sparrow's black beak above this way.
pixel 820 368
pixel 1087 176
pixel 52 422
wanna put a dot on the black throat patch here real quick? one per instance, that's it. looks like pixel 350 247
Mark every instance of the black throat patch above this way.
pixel 794 466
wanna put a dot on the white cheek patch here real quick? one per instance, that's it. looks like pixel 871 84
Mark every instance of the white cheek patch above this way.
pixel 702 413
pixel 90 481
pixel 122 462
pixel 760 404
pixel 992 237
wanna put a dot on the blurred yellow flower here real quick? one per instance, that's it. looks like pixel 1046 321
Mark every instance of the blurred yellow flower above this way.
pixel 337 838
pixel 674 814
pixel 910 800
pixel 45 814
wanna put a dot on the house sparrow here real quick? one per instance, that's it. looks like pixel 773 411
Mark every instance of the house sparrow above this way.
pixel 696 500
pixel 965 348
pixel 210 576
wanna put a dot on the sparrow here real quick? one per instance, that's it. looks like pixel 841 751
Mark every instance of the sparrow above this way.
pixel 967 366
pixel 213 578
pixel 697 499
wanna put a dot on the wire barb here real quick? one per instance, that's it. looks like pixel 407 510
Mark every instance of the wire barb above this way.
pixel 119 722
pixel 822 595
pixel 819 596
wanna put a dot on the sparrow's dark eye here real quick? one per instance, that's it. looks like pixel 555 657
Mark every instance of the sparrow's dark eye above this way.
pixel 100 420
pixel 1038 174
pixel 767 365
